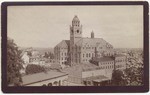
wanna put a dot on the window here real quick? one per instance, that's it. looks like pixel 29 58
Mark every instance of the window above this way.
pixel 87 55
pixel 83 55
pixel 65 53
pixel 77 31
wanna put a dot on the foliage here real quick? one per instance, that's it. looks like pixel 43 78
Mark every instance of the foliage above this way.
pixel 134 73
pixel 49 55
pixel 32 68
pixel 29 53
pixel 14 63
pixel 134 76
pixel 117 78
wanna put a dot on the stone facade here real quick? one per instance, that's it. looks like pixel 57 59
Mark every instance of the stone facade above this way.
pixel 79 49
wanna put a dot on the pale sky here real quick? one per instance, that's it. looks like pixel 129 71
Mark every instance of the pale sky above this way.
pixel 46 26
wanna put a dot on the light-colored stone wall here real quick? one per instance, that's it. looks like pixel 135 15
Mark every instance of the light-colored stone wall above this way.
pixel 93 73
pixel 62 80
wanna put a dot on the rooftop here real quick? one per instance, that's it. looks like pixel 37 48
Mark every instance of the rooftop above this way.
pixel 82 68
pixel 103 59
pixel 92 41
pixel 75 18
pixel 98 78
pixel 64 43
pixel 29 79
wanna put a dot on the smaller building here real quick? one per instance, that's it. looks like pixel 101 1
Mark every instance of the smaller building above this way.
pixel 85 74
pixel 110 62
pixel 50 78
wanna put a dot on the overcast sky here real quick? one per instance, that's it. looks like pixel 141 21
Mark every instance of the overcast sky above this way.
pixel 46 26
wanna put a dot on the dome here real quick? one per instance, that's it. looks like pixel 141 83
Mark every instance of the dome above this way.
pixel 75 18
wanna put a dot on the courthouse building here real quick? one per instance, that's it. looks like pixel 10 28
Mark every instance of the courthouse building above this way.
pixel 79 49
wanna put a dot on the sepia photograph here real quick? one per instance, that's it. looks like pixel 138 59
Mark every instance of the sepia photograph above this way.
pixel 76 45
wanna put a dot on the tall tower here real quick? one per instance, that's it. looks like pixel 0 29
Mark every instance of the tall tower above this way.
pixel 75 36
pixel 75 30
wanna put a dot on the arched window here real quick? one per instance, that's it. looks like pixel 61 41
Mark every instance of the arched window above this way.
pixel 50 84
pixel 55 83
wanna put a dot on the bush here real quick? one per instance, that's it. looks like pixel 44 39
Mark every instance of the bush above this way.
pixel 32 68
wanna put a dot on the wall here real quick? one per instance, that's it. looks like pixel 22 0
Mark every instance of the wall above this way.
pixel 61 79
pixel 93 73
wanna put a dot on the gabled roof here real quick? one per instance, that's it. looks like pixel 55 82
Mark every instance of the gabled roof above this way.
pixel 63 43
pixel 92 41
pixel 67 42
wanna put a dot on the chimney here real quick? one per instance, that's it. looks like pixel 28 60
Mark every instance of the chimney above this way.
pixel 92 34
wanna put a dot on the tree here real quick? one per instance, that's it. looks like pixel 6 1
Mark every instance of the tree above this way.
pixel 14 63
pixel 32 68
pixel 134 73
pixel 134 76
pixel 118 78
pixel 29 53
pixel 51 55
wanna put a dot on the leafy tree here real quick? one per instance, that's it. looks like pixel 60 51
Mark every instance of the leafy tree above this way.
pixel 14 63
pixel 134 76
pixel 29 53
pixel 51 55
pixel 134 73
pixel 118 78
pixel 32 68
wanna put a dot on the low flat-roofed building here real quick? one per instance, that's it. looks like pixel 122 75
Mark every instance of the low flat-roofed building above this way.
pixel 99 80
pixel 50 78
pixel 77 74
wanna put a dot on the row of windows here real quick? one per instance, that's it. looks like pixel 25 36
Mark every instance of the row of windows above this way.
pixel 65 54
pixel 108 54
pixel 104 63
pixel 92 48
pixel 107 67
pixel 111 67
pixel 120 60
pixel 62 58
pixel 119 66
pixel 86 48
pixel 85 60
pixel 58 48
pixel 88 55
